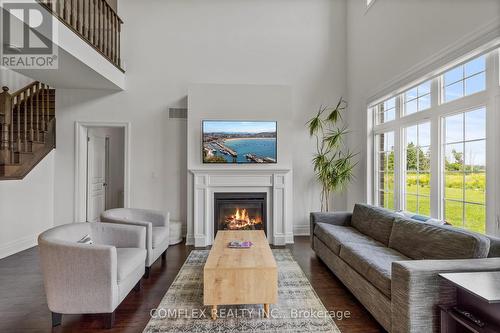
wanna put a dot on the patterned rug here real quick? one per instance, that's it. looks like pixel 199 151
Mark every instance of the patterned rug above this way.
pixel 298 310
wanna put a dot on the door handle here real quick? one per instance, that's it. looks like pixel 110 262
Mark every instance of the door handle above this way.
pixel 104 184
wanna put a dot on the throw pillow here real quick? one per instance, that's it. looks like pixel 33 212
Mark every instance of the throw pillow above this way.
pixel 422 218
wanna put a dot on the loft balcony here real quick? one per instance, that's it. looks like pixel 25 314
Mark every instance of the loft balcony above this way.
pixel 86 35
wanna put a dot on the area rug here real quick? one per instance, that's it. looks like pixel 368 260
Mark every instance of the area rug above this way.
pixel 298 310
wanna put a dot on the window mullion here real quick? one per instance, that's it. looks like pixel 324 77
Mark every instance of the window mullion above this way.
pixel 397 168
pixel 492 142
pixel 463 172
pixel 436 162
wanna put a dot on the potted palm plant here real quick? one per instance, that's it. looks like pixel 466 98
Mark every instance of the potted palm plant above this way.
pixel 333 162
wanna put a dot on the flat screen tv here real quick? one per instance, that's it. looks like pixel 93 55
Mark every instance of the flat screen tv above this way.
pixel 239 141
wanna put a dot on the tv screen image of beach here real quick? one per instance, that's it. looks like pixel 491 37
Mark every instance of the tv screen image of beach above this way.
pixel 239 141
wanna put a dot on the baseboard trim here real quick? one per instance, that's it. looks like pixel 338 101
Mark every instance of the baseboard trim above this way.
pixel 17 245
pixel 189 239
pixel 301 230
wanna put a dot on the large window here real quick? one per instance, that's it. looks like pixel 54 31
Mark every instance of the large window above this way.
pixel 418 168
pixel 465 169
pixel 385 166
pixel 432 149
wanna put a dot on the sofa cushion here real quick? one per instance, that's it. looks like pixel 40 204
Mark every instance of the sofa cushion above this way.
pixel 373 221
pixel 494 251
pixel 128 259
pixel 420 240
pixel 160 234
pixel 334 236
pixel 373 262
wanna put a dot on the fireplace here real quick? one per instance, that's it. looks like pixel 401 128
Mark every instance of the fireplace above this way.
pixel 240 211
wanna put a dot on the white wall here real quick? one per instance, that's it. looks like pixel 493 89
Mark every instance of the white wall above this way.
pixel 13 80
pixel 389 39
pixel 26 207
pixel 240 102
pixel 168 45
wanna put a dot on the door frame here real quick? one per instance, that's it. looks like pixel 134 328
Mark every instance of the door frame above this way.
pixel 80 199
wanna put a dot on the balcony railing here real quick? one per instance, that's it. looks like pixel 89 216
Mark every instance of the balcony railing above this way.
pixel 94 21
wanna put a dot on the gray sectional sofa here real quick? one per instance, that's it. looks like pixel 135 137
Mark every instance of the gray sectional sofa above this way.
pixel 391 263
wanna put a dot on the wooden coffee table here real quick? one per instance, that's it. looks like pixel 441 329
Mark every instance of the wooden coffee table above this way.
pixel 240 276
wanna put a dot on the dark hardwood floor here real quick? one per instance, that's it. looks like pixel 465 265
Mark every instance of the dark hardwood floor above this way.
pixel 23 307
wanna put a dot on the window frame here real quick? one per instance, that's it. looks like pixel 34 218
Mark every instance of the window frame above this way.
pixel 489 98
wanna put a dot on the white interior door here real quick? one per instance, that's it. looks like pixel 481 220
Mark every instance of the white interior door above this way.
pixel 96 176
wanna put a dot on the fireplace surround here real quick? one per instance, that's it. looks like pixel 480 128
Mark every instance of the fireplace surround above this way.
pixel 240 211
pixel 205 183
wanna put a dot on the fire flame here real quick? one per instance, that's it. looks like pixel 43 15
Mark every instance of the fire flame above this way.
pixel 243 216
pixel 241 219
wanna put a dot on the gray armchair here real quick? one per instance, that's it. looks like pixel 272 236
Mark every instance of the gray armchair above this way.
pixel 91 278
pixel 157 228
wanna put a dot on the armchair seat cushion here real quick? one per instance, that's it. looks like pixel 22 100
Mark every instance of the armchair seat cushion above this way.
pixel 334 236
pixel 128 259
pixel 160 234
pixel 373 262
pixel 156 224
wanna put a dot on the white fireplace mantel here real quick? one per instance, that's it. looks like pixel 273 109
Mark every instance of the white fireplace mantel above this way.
pixel 277 183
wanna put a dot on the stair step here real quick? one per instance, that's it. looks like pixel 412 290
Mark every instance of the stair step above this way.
pixel 22 157
pixel 8 169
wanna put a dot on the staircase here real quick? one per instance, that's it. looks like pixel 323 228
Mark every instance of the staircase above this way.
pixel 27 128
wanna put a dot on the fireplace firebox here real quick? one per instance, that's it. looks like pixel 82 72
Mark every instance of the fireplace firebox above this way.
pixel 240 211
